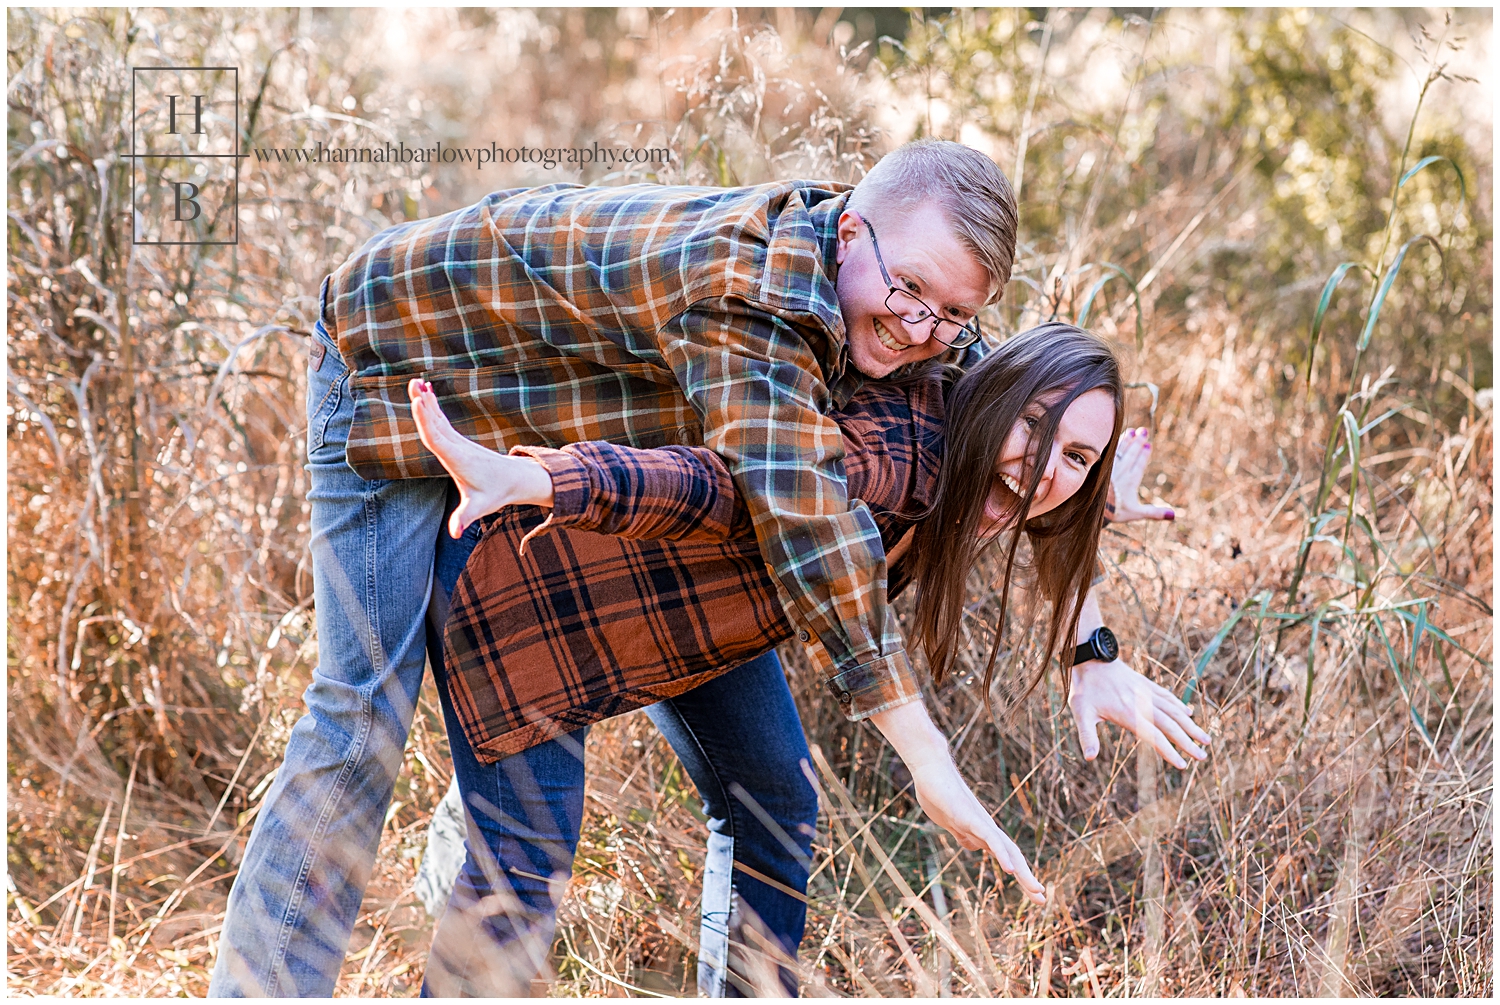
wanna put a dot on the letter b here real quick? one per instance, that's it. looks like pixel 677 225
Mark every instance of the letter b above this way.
pixel 191 200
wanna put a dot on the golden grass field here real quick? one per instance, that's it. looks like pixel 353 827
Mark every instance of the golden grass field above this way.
pixel 1325 590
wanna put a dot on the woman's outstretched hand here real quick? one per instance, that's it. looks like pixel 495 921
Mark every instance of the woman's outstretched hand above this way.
pixel 949 802
pixel 944 795
pixel 486 480
pixel 1112 692
pixel 1131 458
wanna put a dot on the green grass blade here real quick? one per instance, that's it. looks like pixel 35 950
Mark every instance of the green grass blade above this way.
pixel 1377 546
pixel 1438 633
pixel 1395 661
pixel 1385 286
pixel 1375 422
pixel 1437 651
pixel 1264 597
pixel 1312 659
pixel 1418 630
pixel 1323 302
pixel 1088 301
pixel 1351 436
pixel 1428 162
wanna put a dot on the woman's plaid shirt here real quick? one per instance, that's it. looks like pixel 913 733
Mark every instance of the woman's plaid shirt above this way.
pixel 641 315
pixel 577 626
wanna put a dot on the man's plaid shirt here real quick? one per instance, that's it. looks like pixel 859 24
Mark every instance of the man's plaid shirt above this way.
pixel 646 580
pixel 641 315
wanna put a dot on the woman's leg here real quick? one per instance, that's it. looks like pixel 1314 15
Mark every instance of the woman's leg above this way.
pixel 741 741
pixel 523 815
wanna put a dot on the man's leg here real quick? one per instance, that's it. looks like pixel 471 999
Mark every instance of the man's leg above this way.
pixel 522 816
pixel 741 741
pixel 300 883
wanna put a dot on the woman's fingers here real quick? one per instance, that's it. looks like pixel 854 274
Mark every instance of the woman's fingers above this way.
pixel 1164 747
pixel 1183 716
pixel 1175 733
pixel 1088 733
pixel 1169 703
pixel 1130 461
pixel 1012 861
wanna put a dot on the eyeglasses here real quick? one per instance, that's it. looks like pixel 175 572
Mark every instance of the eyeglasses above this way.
pixel 912 310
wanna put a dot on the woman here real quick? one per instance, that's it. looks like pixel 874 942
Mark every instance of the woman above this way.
pixel 1040 415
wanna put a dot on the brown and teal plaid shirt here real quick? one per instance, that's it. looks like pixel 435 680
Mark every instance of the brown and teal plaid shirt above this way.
pixel 646 580
pixel 641 315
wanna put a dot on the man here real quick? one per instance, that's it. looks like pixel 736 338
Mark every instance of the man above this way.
pixel 642 315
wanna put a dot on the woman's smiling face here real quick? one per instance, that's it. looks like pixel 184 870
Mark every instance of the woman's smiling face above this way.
pixel 1082 436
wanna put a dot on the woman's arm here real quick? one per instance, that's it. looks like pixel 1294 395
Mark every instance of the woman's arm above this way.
pixel 945 796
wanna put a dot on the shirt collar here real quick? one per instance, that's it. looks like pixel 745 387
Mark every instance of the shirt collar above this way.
pixel 825 222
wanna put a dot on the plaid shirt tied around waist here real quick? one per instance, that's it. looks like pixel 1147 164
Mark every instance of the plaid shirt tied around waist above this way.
pixel 645 580
pixel 641 315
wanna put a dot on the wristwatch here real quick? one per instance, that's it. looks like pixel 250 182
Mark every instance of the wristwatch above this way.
pixel 1102 645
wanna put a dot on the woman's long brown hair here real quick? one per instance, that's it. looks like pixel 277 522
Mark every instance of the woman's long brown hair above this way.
pixel 1052 364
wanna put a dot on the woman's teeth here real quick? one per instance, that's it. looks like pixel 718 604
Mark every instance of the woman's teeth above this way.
pixel 887 339
pixel 1011 483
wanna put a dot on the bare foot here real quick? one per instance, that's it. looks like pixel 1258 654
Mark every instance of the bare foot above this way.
pixel 486 480
pixel 1131 458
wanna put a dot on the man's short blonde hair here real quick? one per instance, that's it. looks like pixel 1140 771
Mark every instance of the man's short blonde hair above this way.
pixel 968 187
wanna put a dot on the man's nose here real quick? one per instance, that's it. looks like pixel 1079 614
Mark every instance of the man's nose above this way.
pixel 917 332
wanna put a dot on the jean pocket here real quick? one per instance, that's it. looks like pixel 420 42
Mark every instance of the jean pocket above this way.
pixel 327 390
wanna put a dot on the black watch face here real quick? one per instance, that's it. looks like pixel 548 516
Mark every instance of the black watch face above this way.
pixel 1107 645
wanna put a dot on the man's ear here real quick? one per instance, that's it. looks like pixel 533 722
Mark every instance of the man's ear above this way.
pixel 849 227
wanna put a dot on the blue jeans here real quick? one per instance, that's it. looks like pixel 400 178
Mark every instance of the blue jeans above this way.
pixel 739 738
pixel 300 883
pixel 302 878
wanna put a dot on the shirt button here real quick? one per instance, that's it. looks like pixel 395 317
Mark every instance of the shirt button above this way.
pixel 803 635
pixel 844 697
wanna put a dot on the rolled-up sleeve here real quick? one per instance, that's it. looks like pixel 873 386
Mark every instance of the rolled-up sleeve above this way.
pixel 668 494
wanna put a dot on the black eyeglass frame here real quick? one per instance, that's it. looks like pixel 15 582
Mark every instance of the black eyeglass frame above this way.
pixel 970 332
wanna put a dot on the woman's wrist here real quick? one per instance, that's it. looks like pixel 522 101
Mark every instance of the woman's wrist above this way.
pixel 918 742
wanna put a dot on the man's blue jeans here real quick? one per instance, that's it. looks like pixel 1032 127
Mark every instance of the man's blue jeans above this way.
pixel 297 895
pixel 301 880
pixel 739 738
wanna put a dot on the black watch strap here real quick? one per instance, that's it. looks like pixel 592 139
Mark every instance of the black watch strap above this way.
pixel 1101 645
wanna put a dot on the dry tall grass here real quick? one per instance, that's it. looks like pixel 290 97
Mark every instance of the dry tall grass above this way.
pixel 1211 170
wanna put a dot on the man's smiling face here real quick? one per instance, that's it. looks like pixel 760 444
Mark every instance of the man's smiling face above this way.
pixel 924 257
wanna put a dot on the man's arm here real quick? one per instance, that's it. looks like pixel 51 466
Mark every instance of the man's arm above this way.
pixel 760 392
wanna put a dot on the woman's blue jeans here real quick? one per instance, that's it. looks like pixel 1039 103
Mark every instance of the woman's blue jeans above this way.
pixel 739 738
pixel 302 877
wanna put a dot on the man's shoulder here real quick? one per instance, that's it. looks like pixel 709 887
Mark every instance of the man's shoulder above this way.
pixel 687 200
pixel 625 214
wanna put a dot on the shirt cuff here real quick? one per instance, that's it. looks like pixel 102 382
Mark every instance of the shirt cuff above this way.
pixel 572 488
pixel 872 687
